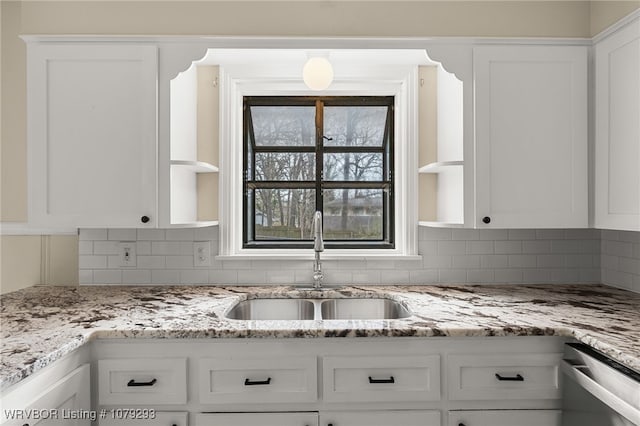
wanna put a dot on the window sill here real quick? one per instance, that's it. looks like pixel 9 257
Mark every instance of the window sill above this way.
pixel 325 255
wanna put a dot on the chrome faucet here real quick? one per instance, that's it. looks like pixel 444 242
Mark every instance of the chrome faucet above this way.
pixel 318 246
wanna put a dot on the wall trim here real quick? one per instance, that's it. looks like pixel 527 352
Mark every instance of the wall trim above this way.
pixel 617 26
pixel 23 228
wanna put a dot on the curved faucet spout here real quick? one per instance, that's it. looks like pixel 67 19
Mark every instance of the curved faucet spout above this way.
pixel 318 243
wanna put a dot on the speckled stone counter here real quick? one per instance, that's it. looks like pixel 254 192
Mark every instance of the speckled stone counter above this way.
pixel 41 324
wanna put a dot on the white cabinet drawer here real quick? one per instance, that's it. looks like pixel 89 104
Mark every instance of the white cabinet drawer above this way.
pixel 160 418
pixel 258 380
pixel 381 418
pixel 147 381
pixel 381 378
pixel 500 376
pixel 254 419
pixel 505 418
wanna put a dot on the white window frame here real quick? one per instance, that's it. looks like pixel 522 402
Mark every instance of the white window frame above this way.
pixel 398 81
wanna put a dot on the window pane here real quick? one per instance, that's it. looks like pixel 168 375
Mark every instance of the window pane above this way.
pixel 285 166
pixel 353 214
pixel 353 166
pixel 284 214
pixel 354 125
pixel 284 125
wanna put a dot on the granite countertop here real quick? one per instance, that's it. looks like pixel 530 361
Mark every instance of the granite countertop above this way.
pixel 41 324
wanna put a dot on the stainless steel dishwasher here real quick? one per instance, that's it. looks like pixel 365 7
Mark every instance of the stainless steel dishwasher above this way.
pixel 598 391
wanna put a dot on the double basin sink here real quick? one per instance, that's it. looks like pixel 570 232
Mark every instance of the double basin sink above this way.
pixel 318 309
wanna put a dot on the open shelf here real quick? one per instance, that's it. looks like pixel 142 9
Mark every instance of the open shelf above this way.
pixel 439 166
pixel 195 166
pixel 433 224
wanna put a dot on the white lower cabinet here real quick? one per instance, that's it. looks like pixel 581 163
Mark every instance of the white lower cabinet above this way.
pixel 505 418
pixel 381 418
pixel 498 381
pixel 64 402
pixel 153 418
pixel 256 419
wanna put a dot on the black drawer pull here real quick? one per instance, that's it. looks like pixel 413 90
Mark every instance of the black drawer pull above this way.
pixel 389 380
pixel 248 382
pixel 132 382
pixel 517 378
pixel 460 424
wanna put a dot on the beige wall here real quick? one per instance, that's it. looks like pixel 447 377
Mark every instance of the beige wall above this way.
pixel 285 18
pixel 28 260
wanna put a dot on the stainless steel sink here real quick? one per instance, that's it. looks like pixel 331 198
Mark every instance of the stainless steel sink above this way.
pixel 318 309
pixel 272 309
pixel 362 309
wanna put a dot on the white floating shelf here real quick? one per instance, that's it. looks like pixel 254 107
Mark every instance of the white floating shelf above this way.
pixel 198 224
pixel 441 224
pixel 439 166
pixel 196 166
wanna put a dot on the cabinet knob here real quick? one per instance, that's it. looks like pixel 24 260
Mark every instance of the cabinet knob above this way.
pixel 486 219
pixel 145 219
pixel 461 424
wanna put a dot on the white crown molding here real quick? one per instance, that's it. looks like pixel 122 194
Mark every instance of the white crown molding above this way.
pixel 633 16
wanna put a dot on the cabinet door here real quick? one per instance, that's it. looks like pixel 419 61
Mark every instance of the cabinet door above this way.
pixel 255 419
pixel 617 159
pixel 505 418
pixel 66 402
pixel 381 418
pixel 531 136
pixel 92 134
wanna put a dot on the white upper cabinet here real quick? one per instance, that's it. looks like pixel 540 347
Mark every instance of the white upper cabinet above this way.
pixel 531 136
pixel 617 129
pixel 92 134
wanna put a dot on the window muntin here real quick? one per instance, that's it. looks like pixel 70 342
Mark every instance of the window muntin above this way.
pixel 345 172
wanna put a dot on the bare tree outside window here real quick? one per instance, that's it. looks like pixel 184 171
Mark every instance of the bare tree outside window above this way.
pixel 332 154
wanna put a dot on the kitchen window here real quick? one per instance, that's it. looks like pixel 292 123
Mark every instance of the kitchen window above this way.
pixel 306 153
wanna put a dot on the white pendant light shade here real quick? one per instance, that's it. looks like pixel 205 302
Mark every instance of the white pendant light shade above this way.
pixel 317 73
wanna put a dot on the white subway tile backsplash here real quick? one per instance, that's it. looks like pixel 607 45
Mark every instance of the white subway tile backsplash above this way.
pixel 151 234
pixel 222 276
pixel 92 262
pixel 480 247
pixel 494 261
pixel 452 275
pixel 507 247
pixel 122 234
pixel 106 247
pixel 522 234
pixel 494 234
pixel 394 277
pixel 466 262
pixel 423 276
pixel 179 262
pixel 85 276
pixel 522 261
pixel 180 234
pixel 92 234
pixel 85 247
pixel 364 277
pixel 279 277
pixel 454 248
pixel 194 276
pixel 536 247
pixel 107 276
pixel 513 276
pixel 480 276
pixel 465 234
pixel 151 262
pixel 449 256
pixel 165 276
pixel 136 276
